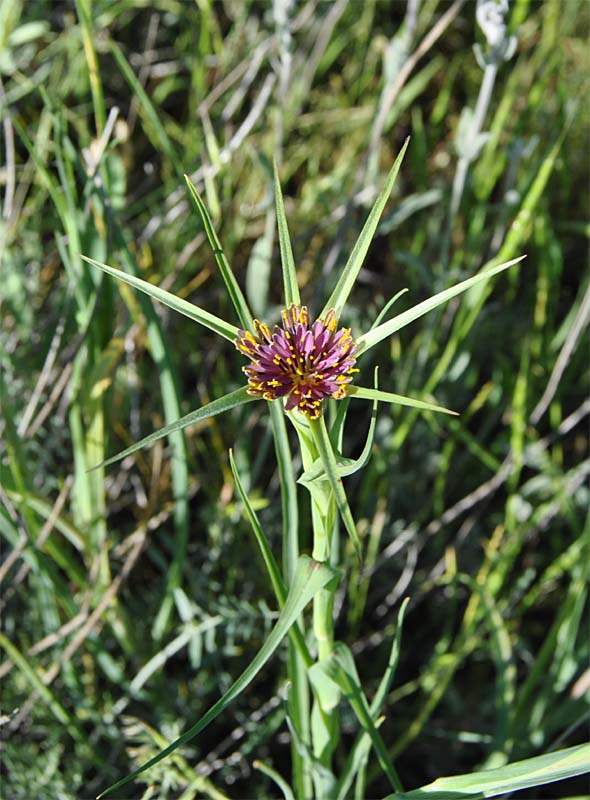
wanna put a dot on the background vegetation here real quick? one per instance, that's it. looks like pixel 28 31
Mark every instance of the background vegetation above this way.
pixel 132 597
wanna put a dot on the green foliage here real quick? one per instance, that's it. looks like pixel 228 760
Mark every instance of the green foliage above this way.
pixel 133 596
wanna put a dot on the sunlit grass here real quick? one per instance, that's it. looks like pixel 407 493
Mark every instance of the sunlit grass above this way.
pixel 133 596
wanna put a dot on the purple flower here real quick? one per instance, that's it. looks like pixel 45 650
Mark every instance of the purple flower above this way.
pixel 305 363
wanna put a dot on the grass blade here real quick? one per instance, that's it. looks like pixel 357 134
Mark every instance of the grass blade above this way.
pixel 210 321
pixel 341 669
pixel 310 577
pixel 390 303
pixel 287 261
pixel 298 700
pixel 278 779
pixel 44 691
pixel 233 288
pixel 155 129
pixel 364 393
pixel 269 561
pixel 358 754
pixel 352 268
pixel 225 403
pixel 537 771
pixel 386 329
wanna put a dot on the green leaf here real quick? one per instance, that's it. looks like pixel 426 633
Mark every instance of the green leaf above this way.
pixel 328 459
pixel 352 268
pixel 289 507
pixel 274 776
pixel 24 665
pixel 337 429
pixel 155 129
pixel 346 466
pixel 381 332
pixel 310 577
pixel 364 393
pixel 389 674
pixel 269 561
pixel 233 288
pixel 340 668
pixel 225 403
pixel 537 771
pixel 287 261
pixel 210 321
pixel 390 303
pixel 358 754
pixel 324 686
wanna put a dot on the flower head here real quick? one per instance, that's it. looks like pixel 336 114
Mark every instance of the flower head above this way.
pixel 305 363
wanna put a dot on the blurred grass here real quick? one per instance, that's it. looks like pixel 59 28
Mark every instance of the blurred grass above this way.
pixel 481 520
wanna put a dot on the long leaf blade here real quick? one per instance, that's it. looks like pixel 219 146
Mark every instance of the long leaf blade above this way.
pixel 210 321
pixel 340 668
pixel 147 107
pixel 357 756
pixel 269 561
pixel 287 261
pixel 345 466
pixel 310 577
pixel 352 268
pixel 364 393
pixel 328 459
pixel 225 403
pixel 233 288
pixel 537 771
pixel 381 332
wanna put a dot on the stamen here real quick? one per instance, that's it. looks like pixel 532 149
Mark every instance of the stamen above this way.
pixel 282 360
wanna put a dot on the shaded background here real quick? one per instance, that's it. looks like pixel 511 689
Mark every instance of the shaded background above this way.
pixel 133 597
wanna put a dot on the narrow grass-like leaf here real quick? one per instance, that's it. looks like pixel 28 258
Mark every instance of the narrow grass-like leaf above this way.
pixel 278 779
pixel 287 261
pixel 346 466
pixel 210 321
pixel 390 303
pixel 358 754
pixel 537 771
pixel 310 577
pixel 163 356
pixel 501 651
pixel 289 507
pixel 233 288
pixel 225 403
pixel 328 459
pixel 337 429
pixel 44 691
pixel 298 698
pixel 389 674
pixel 364 393
pixel 352 268
pixel 84 13
pixel 340 668
pixel 269 561
pixel 147 107
pixel 386 329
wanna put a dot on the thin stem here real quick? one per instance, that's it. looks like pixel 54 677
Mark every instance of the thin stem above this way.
pixel 323 623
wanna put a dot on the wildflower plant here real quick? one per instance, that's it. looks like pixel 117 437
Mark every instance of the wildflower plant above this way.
pixel 297 366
